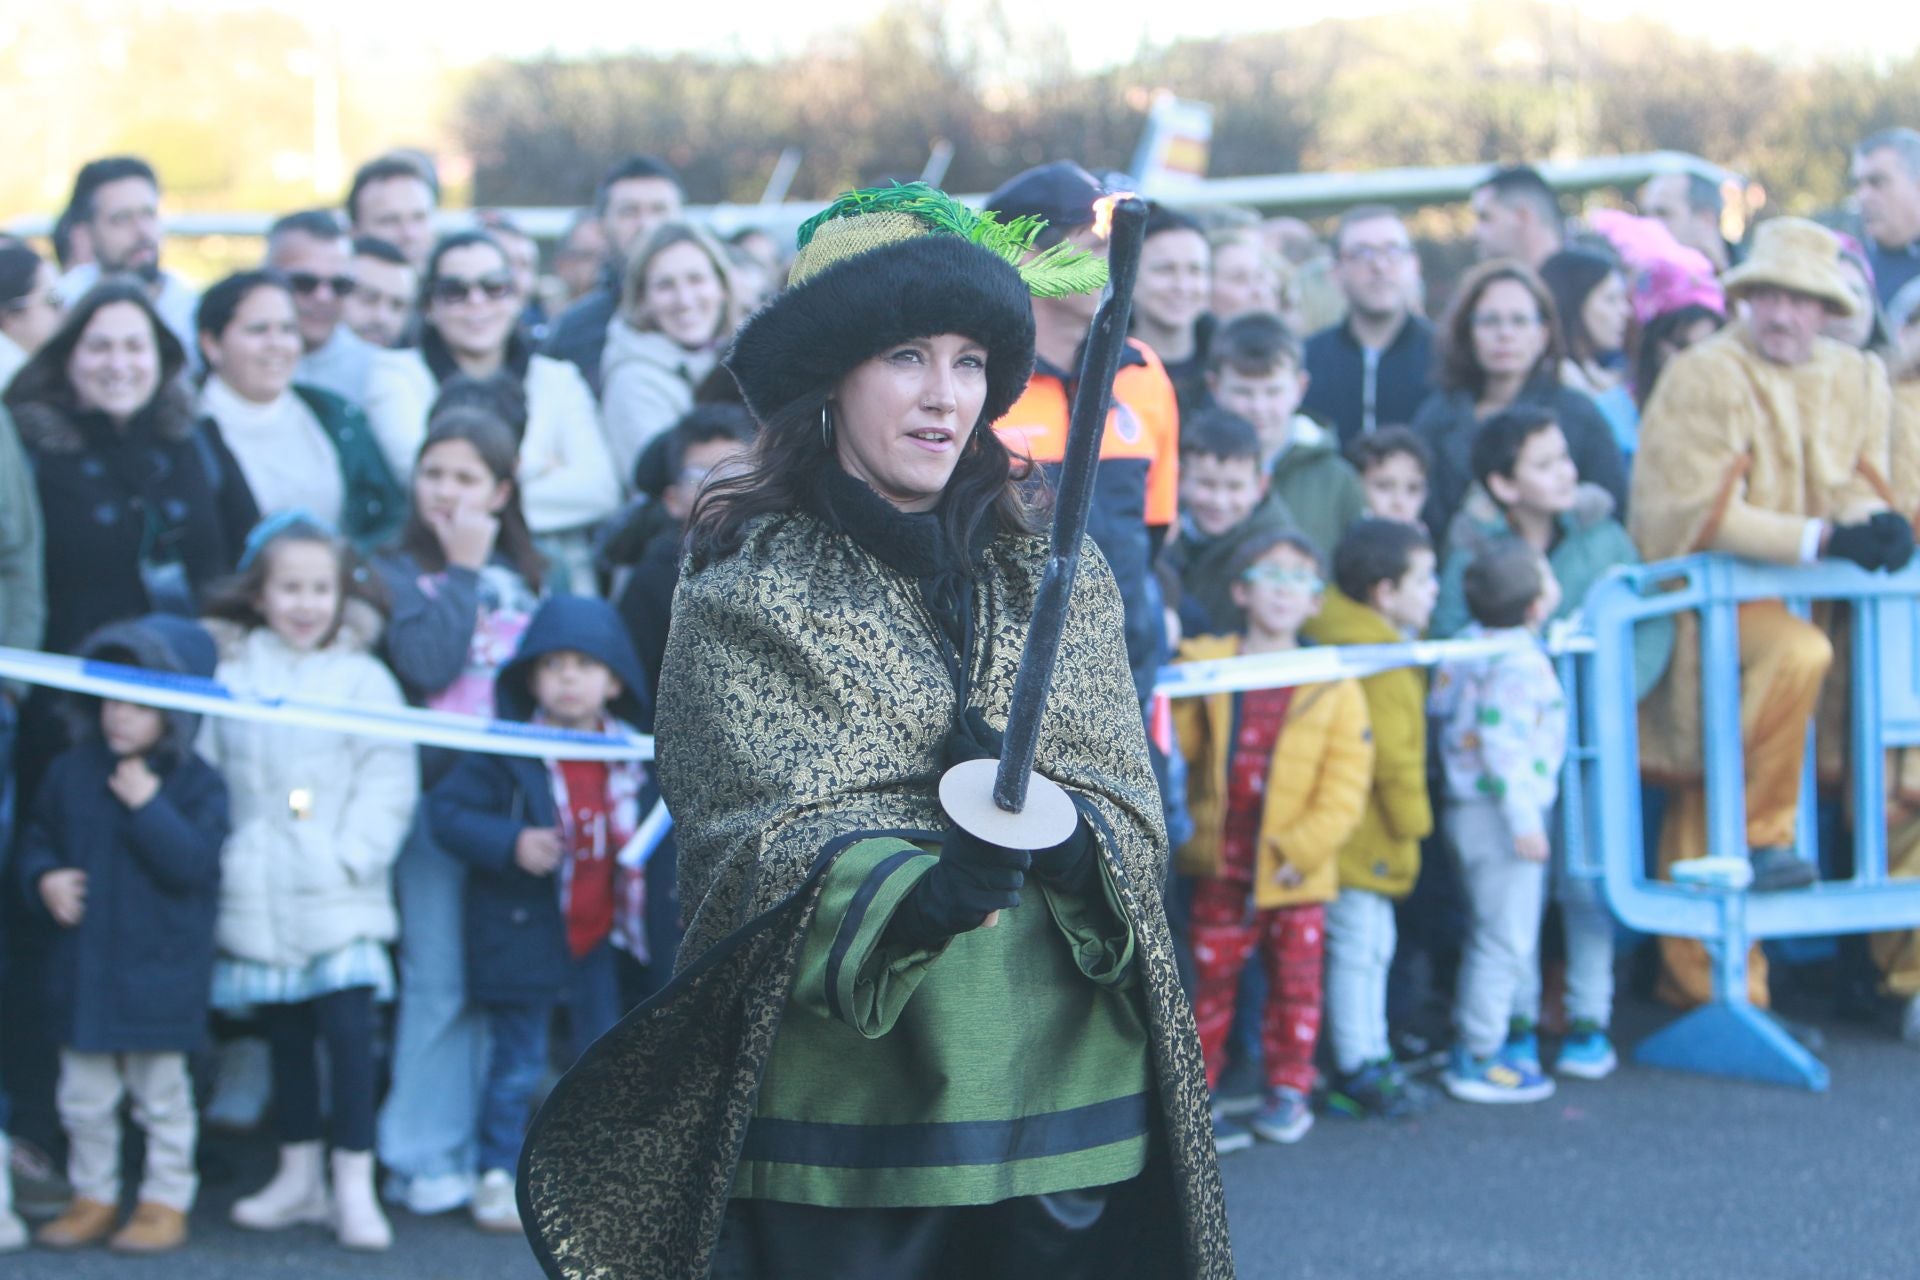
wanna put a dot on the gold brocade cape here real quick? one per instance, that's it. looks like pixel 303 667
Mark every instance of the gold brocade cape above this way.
pixel 803 705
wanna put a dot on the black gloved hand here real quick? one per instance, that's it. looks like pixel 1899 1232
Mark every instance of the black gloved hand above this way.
pixel 972 738
pixel 1067 865
pixel 1896 540
pixel 1073 865
pixel 972 880
pixel 1861 543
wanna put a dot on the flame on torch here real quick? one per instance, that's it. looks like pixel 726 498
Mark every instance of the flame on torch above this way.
pixel 1103 212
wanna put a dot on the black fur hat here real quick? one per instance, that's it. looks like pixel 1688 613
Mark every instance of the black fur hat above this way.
pixel 805 340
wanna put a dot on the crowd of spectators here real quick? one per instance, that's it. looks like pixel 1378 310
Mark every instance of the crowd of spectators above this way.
pixel 368 462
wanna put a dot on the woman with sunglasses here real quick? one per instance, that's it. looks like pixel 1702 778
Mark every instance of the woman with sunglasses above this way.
pixel 298 446
pixel 469 309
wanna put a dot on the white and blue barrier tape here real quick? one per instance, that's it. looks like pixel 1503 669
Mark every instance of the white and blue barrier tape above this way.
pixel 1314 664
pixel 203 696
pixel 406 724
pixel 1308 665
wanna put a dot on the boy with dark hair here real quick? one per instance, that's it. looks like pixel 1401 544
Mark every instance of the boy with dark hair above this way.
pixel 1528 489
pixel 1224 500
pixel 1383 571
pixel 701 447
pixel 1255 369
pixel 1503 739
pixel 1277 781
pixel 547 901
pixel 1393 464
pixel 121 856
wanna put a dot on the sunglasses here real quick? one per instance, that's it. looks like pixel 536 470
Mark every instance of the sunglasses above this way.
pixel 1273 575
pixel 454 289
pixel 305 283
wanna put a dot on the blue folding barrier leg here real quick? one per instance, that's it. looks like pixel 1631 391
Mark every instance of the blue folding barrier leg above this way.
pixel 1728 1036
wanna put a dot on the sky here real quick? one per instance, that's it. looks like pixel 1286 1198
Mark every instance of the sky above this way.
pixel 1103 31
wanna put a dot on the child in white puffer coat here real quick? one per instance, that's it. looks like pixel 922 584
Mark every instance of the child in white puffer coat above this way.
pixel 306 907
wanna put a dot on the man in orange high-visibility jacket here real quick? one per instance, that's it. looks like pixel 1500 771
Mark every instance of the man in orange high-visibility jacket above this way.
pixel 1136 485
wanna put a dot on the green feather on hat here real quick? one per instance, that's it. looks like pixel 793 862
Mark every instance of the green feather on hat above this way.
pixel 866 219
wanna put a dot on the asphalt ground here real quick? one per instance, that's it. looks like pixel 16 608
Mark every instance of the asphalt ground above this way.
pixel 1648 1174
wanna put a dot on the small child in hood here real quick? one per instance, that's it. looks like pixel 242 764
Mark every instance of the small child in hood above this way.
pixel 122 853
pixel 1503 739
pixel 547 903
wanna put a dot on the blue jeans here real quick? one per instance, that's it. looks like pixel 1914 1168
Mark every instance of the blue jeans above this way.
pixel 519 1061
pixel 593 998
pixel 427 1125
pixel 520 1051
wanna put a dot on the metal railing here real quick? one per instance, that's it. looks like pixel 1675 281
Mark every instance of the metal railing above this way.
pixel 1603 822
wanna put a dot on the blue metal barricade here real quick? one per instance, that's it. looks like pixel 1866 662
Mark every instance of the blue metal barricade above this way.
pixel 1602 819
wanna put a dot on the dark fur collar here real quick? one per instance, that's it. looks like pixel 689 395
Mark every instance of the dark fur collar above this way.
pixel 60 427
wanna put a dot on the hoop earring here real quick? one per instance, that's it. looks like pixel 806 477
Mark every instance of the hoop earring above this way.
pixel 826 430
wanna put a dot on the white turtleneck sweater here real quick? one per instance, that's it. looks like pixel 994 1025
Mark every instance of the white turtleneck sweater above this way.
pixel 287 459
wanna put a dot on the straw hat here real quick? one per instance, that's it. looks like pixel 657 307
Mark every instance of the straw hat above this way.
pixel 1796 255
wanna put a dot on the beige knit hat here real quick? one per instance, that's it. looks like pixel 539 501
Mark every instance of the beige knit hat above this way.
pixel 1793 254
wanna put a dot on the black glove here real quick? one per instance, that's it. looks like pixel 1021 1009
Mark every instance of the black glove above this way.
pixel 972 880
pixel 1861 543
pixel 1896 540
pixel 972 738
pixel 1073 865
pixel 1068 865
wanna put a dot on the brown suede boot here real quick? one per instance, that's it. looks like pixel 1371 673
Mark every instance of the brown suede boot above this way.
pixel 153 1228
pixel 82 1222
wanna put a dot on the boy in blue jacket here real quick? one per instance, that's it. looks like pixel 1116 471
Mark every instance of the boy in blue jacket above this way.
pixel 122 853
pixel 546 903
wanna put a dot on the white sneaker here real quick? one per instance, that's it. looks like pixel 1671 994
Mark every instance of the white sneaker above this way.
pixel 494 1207
pixel 1910 1021
pixel 438 1193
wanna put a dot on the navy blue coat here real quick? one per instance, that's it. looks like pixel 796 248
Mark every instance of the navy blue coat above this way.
pixel 515 933
pixel 134 975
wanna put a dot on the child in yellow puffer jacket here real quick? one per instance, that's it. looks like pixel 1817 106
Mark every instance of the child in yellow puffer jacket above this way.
pixel 1277 781
pixel 1383 572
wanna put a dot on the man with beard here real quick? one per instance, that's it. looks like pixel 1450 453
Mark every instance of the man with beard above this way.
pixel 1371 369
pixel 116 204
pixel 1767 441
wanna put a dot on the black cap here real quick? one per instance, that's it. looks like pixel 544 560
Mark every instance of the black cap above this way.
pixel 1062 192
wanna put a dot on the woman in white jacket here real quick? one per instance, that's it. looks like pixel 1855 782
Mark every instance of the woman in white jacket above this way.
pixel 471 308
pixel 306 895
pixel 677 310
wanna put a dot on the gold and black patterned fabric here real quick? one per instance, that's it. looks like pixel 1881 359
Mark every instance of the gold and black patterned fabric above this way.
pixel 803 704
